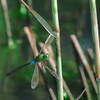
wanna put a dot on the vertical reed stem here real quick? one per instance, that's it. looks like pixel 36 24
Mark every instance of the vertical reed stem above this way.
pixel 7 21
pixel 59 66
pixel 95 35
pixel 11 43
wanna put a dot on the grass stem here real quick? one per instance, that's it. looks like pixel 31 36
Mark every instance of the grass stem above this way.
pixel 7 21
pixel 59 66
pixel 95 35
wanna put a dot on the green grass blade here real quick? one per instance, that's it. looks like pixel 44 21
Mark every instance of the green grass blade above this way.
pixel 40 19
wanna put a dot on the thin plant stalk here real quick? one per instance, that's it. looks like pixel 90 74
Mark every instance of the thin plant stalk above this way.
pixel 7 21
pixel 85 83
pixel 59 66
pixel 79 64
pixel 31 40
pixel 91 60
pixel 55 15
pixel 71 97
pixel 95 35
pixel 10 43
pixel 8 26
pixel 81 94
pixel 84 61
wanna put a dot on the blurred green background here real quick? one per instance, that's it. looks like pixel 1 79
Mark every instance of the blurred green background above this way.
pixel 74 18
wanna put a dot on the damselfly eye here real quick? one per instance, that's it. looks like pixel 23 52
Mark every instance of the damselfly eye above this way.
pixel 46 56
pixel 43 56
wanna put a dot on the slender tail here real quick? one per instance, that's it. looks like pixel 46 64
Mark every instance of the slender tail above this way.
pixel 13 71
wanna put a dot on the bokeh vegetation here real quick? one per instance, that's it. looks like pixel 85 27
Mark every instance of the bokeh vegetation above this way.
pixel 74 17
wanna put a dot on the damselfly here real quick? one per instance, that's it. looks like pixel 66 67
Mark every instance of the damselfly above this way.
pixel 40 58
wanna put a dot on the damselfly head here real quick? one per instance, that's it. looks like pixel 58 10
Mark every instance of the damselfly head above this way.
pixel 46 56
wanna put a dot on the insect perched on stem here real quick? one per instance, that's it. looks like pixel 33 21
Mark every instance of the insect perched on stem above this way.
pixel 43 58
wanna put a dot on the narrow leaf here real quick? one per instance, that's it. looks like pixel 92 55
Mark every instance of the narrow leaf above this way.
pixel 40 19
